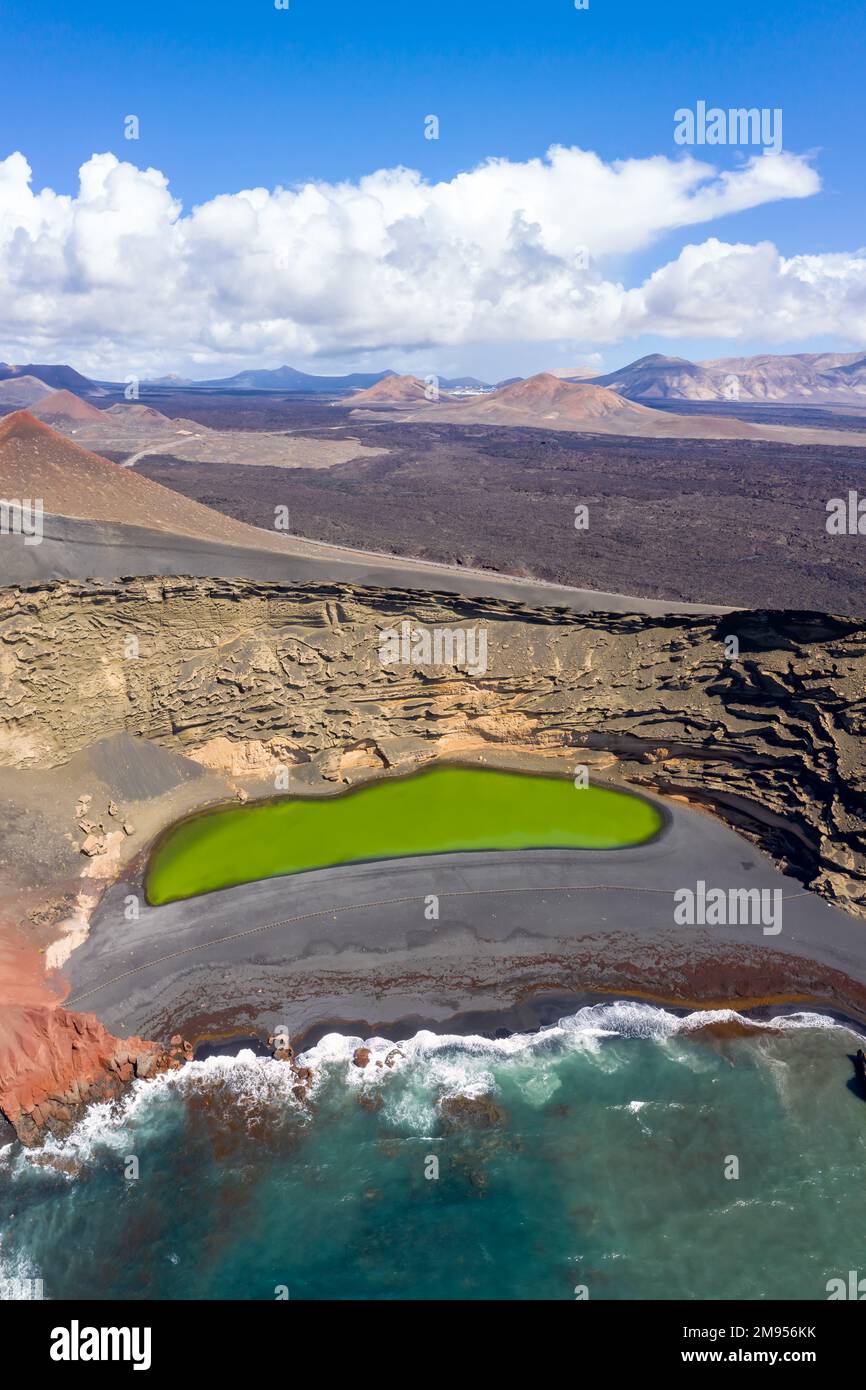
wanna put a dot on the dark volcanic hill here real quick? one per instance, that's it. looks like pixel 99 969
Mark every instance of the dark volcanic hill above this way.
pixel 22 392
pixel 547 402
pixel 59 377
pixel 391 390
pixel 64 405
pixel 37 462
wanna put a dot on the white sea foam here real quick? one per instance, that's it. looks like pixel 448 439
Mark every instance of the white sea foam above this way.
pixel 433 1065
pixel 249 1082
pixel 810 1020
pixel 100 1128
pixel 448 1064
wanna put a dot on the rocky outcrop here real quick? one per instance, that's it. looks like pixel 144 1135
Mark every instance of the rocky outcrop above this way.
pixel 53 1063
pixel 469 1112
pixel 282 1051
pixel 759 715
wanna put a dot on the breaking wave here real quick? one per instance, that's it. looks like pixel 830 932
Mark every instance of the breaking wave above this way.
pixel 560 1142
pixel 432 1066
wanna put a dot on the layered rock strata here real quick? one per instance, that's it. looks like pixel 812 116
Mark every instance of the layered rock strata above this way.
pixel 759 715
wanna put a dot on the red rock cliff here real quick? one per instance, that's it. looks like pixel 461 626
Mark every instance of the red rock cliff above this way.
pixel 53 1063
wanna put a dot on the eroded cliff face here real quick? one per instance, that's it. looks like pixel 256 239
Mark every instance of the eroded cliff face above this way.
pixel 766 728
pixel 53 1063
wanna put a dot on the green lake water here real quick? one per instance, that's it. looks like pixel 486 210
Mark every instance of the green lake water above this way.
pixel 442 810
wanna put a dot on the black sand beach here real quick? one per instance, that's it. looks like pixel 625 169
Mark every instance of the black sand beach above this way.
pixel 351 946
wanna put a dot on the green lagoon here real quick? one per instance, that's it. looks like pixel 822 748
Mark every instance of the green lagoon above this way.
pixel 442 810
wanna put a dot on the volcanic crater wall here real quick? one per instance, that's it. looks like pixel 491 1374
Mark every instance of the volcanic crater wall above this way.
pixel 263 674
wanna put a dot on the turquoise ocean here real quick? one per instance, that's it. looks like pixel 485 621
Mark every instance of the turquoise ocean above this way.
pixel 624 1153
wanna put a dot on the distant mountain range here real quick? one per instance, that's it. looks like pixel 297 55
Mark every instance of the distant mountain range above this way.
pixel 279 379
pixel 290 379
pixel 540 402
pixel 807 378
pixel 547 402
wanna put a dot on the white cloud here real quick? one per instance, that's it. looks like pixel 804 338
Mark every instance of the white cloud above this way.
pixel 119 279
pixel 729 291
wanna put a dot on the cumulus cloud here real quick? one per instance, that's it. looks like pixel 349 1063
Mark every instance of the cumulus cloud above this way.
pixel 120 276
pixel 717 289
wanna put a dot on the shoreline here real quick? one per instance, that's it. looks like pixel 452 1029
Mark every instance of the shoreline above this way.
pixel 529 1018
pixel 356 950
pixel 524 938
pixel 533 1016
pixel 334 946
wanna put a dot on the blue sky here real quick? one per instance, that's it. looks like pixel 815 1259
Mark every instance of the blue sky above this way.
pixel 240 95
